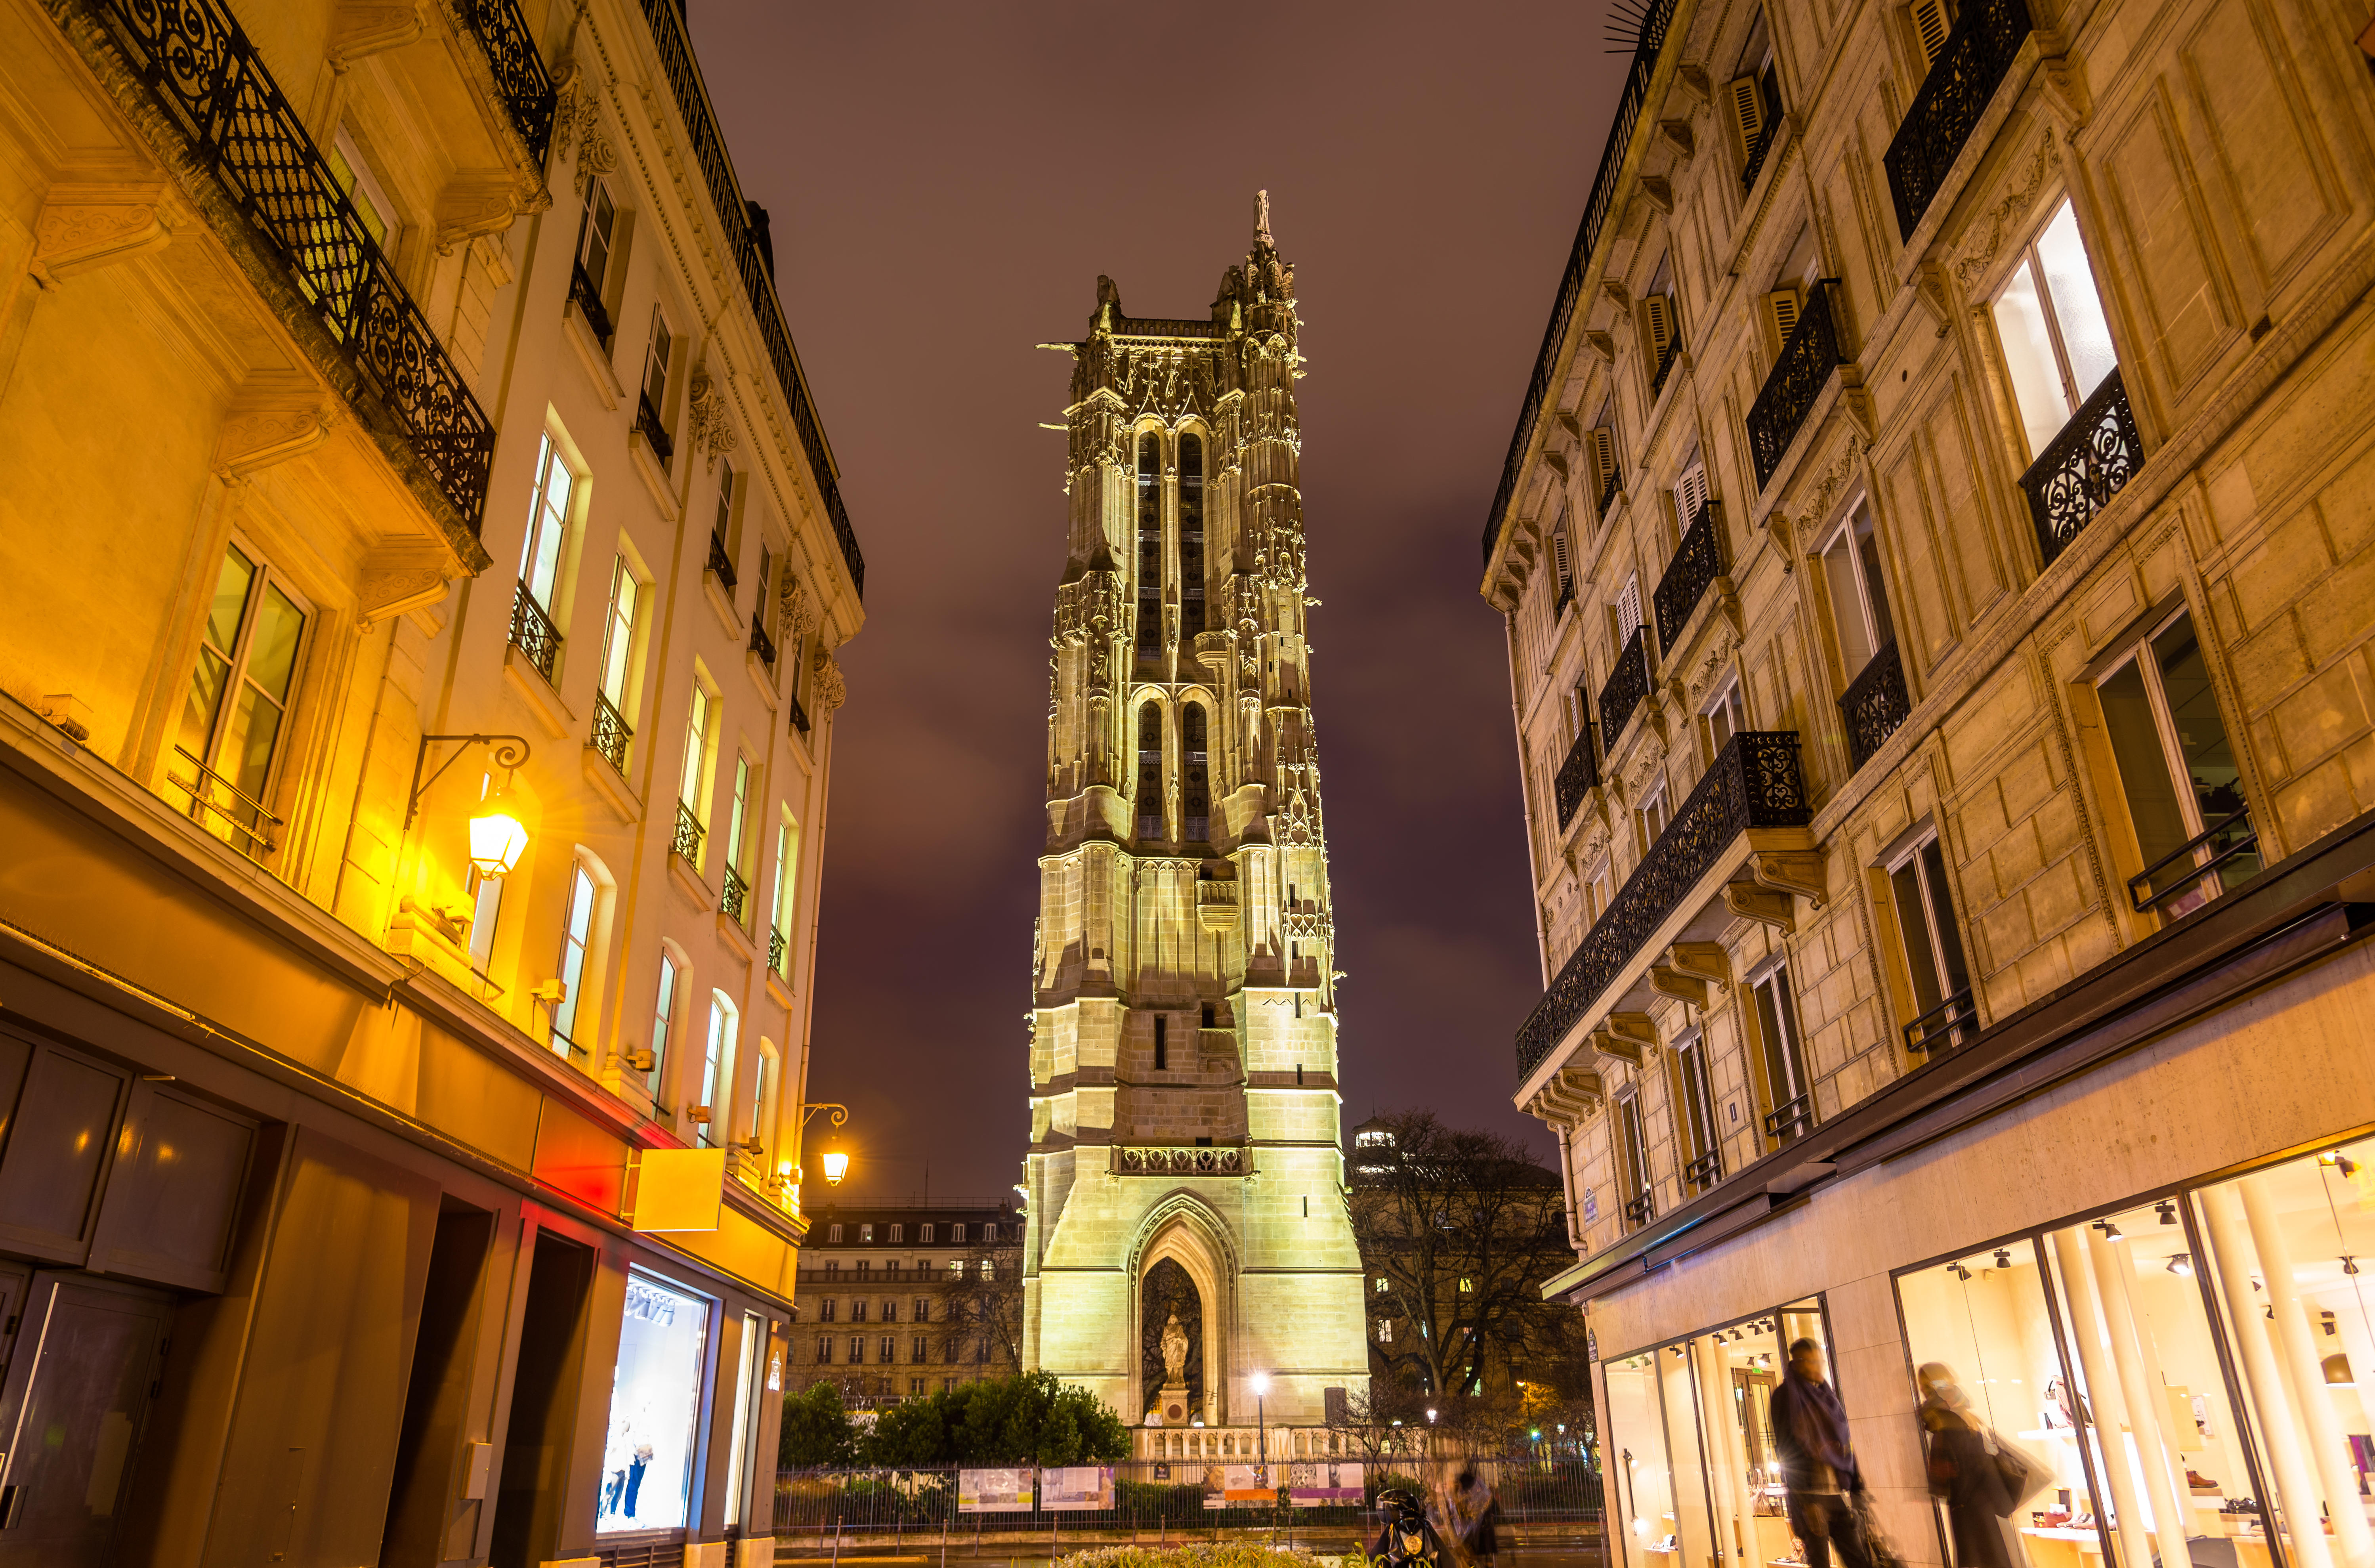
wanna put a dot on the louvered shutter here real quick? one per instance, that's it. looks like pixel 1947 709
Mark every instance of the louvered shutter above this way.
pixel 1690 494
pixel 1781 309
pixel 1658 321
pixel 1600 442
pixel 1747 107
pixel 1628 610
pixel 1931 24
pixel 1558 555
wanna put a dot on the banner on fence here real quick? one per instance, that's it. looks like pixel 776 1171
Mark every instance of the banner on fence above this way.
pixel 1322 1485
pixel 994 1491
pixel 1239 1486
pixel 1077 1486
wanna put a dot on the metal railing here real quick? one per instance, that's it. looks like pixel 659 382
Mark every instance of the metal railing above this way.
pixel 763 644
pixel 689 834
pixel 1611 490
pixel 1874 703
pixel 1576 776
pixel 721 564
pixel 2200 857
pixel 648 425
pixel 1794 1117
pixel 1944 1026
pixel 1565 597
pixel 207 74
pixel 1797 379
pixel 800 714
pixel 588 301
pixel 611 732
pixel 776 948
pixel 1648 42
pixel 1697 562
pixel 520 80
pixel 533 632
pixel 1665 367
pixel 1754 783
pixel 1970 65
pixel 1640 1211
pixel 2079 472
pixel 734 217
pixel 243 815
pixel 1767 88
pixel 734 897
pixel 1706 1171
pixel 1628 685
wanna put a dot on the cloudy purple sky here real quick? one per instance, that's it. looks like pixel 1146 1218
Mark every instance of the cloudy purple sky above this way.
pixel 946 183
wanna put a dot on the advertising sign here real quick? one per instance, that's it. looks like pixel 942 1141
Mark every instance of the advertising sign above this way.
pixel 1077 1486
pixel 1239 1486
pixel 655 1402
pixel 1320 1485
pixel 994 1491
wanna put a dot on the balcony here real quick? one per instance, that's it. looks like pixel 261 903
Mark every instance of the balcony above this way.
pixel 1628 685
pixel 763 644
pixel 1798 378
pixel 689 834
pixel 1611 490
pixel 588 301
pixel 1943 1027
pixel 2226 852
pixel 610 734
pixel 1665 366
pixel 205 72
pixel 776 948
pixel 735 901
pixel 1639 1210
pixel 648 425
pixel 2096 452
pixel 520 80
pixel 800 714
pixel 1565 597
pixel 533 632
pixel 1699 561
pixel 1752 786
pixel 1577 777
pixel 1962 80
pixel 667 22
pixel 721 565
pixel 1875 703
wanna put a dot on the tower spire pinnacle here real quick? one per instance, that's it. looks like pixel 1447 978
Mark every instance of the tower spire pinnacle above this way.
pixel 1261 218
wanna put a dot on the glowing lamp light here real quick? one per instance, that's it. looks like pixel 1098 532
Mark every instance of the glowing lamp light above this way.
pixel 1261 1382
pixel 496 840
pixel 836 1165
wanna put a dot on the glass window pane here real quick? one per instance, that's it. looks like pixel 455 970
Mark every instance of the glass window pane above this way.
pixel 204 701
pixel 655 1404
pixel 248 740
pixel 1876 587
pixel 2078 308
pixel 1644 1487
pixel 1913 921
pixel 272 646
pixel 230 599
pixel 2210 767
pixel 2036 375
pixel 1956 976
pixel 1856 643
pixel 1693 1523
pixel 664 1014
pixel 2143 761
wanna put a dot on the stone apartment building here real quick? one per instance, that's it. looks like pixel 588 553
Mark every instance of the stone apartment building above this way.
pixel 905 1298
pixel 1935 556
pixel 420 568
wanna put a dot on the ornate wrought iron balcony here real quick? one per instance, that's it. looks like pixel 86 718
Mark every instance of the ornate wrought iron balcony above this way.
pixel 1754 783
pixel 689 834
pixel 611 732
pixel 760 643
pixel 734 217
pixel 1628 685
pixel 800 714
pixel 588 301
pixel 648 425
pixel 533 632
pixel 1875 703
pixel 734 898
pixel 2074 477
pixel 1970 63
pixel 1699 561
pixel 721 564
pixel 776 948
pixel 1789 393
pixel 1576 776
pixel 520 79
pixel 205 72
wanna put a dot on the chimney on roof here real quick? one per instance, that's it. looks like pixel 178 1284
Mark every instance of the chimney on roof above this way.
pixel 761 237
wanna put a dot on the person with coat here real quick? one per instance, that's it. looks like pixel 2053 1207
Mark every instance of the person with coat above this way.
pixel 1963 1472
pixel 1818 1466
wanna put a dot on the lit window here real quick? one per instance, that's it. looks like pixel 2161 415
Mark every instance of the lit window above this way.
pixel 238 702
pixel 956 1269
pixel 354 173
pixel 1382 1285
pixel 2161 717
pixel 619 635
pixel 597 232
pixel 718 1070
pixel 1933 949
pixel 1858 595
pixel 2057 345
pixel 576 928
pixel 988 1271
pixel 1384 1331
pixel 548 524
pixel 1467 1285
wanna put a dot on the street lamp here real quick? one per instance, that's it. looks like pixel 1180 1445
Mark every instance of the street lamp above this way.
pixel 496 836
pixel 1261 1423
pixel 837 1162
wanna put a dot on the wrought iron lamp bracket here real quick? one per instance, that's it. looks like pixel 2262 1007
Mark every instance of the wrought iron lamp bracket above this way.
pixel 513 754
pixel 840 1113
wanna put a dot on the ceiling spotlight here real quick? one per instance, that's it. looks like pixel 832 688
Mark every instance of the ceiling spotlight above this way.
pixel 2349 1265
pixel 2166 1211
pixel 2004 1257
pixel 1958 1271
pixel 2182 1266
pixel 2110 1231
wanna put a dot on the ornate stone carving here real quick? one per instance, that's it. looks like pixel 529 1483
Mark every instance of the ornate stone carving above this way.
pixel 361 28
pixel 713 434
pixel 388 591
pixel 83 229
pixel 595 156
pixel 253 439
pixel 467 209
pixel 829 690
pixel 799 609
pixel 1835 477
pixel 1988 232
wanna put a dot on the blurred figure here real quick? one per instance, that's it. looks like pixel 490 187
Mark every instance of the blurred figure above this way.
pixel 1408 1536
pixel 1818 1467
pixel 1475 1516
pixel 1966 1470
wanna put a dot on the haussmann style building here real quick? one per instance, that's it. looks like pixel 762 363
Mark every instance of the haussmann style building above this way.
pixel 902 1299
pixel 420 569
pixel 1939 565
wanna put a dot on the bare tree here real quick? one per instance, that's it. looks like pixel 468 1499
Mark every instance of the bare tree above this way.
pixel 985 1306
pixel 1380 1421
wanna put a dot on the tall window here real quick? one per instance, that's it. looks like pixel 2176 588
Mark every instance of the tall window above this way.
pixel 1694 1115
pixel 690 825
pixel 1150 543
pixel 1162 1042
pixel 2057 345
pixel 718 1072
pixel 1191 537
pixel 655 367
pixel 1196 789
pixel 1628 612
pixel 238 702
pixel 663 1022
pixel 1784 1059
pixel 737 895
pixel 1933 949
pixel 596 231
pixel 1858 596
pixel 1150 772
pixel 1752 102
pixel 1632 1163
pixel 2184 792
pixel 1726 716
pixel 1652 815
pixel 762 1102
pixel 548 524
pixel 779 948
pixel 576 930
pixel 721 525
pixel 1690 493
pixel 486 909
pixel 354 173
pixel 619 633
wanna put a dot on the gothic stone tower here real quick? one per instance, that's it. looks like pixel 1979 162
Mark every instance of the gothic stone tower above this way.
pixel 1184 1103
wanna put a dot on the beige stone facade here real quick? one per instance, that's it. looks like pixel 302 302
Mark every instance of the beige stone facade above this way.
pixel 1184 1051
pixel 399 431
pixel 1939 614
pixel 906 1299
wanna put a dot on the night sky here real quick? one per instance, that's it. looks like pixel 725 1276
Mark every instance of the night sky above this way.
pixel 946 182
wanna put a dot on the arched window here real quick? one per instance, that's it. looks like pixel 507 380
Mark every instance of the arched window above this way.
pixel 1191 537
pixel 1150 772
pixel 1195 783
pixel 1150 543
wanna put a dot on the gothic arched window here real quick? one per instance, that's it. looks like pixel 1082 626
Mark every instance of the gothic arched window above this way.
pixel 1150 772
pixel 1191 536
pixel 1195 783
pixel 1150 543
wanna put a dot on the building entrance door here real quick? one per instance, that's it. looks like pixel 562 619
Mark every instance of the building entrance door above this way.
pixel 87 1355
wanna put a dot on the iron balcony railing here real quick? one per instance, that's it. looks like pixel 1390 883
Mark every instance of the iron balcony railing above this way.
pixel 763 644
pixel 1794 1117
pixel 1640 1211
pixel 689 834
pixel 1706 1171
pixel 800 714
pixel 1628 685
pixel 647 425
pixel 1875 703
pixel 1797 379
pixel 1649 42
pixel 667 22
pixel 2230 841
pixel 611 732
pixel 1576 776
pixel 1699 561
pixel 1665 366
pixel 1565 597
pixel 1944 1026
pixel 1612 489
pixel 239 814
pixel 520 80
pixel 776 948
pixel 533 632
pixel 588 301
pixel 1768 90
pixel 1754 783
pixel 734 897
pixel 721 564
pixel 206 74
pixel 2079 472
pixel 1971 62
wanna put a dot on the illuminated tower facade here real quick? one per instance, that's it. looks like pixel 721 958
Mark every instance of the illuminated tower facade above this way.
pixel 1184 1076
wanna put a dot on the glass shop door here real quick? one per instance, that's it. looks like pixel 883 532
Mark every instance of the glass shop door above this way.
pixel 86 1356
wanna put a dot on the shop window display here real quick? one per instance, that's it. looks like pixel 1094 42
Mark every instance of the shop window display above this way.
pixel 1637 1427
pixel 654 1405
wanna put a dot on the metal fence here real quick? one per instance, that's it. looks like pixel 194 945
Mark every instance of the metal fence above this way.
pixel 831 1510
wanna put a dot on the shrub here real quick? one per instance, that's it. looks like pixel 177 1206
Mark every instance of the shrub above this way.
pixel 1030 1419
pixel 817 1430
pixel 1231 1554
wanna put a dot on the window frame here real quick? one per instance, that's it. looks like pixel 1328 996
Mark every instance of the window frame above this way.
pixel 1854 541
pixel 1932 891
pixel 576 957
pixel 1696 1131
pixel 550 522
pixel 1730 701
pixel 211 779
pixel 1628 1129
pixel 2029 258
pixel 1788 1051
pixel 2136 650
pixel 659 355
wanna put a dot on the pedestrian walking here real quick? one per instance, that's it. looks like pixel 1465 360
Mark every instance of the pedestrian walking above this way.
pixel 1970 1471
pixel 1818 1465
pixel 1476 1512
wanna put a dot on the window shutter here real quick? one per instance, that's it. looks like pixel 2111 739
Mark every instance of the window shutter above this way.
pixel 1658 321
pixel 1558 555
pixel 1781 309
pixel 1690 494
pixel 1931 24
pixel 1601 442
pixel 1747 112
pixel 1628 610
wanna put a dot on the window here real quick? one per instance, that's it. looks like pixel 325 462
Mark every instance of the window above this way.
pixel 981 1353
pixel 486 909
pixel 1659 337
pixel 864 1233
pixel 923 1304
pixel 865 1265
pixel 734 898
pixel 663 1020
pixel 1690 493
pixel 1780 310
pixel 924 1233
pixel 1694 1115
pixel 1208 1015
pixel 1150 772
pixel 576 930
pixel 238 702
pixel 1162 1046
pixel 957 1234
pixel 988 1272
pixel 2183 791
pixel 718 1072
pixel 956 1269
pixel 721 528
pixel 654 392
pixel 1726 716
pixel 890 1306
pixel 1196 802
pixel 898 1233
pixel 1652 815
pixel 1628 610
pixel 833 1235
pixel 354 176
pixel 989 1234
pixel 1859 597
pixel 2057 345
pixel 857 1310
pixel 833 1264
pixel 1384 1331
pixel 919 1352
pixel 824 1345
pixel 618 642
pixel 888 1348
pixel 1933 949
pixel 1785 1066
pixel 1149 544
pixel 858 1350
pixel 824 1310
pixel 1467 1284
pixel 1599 460
pixel 1931 22
pixel 1381 1284
pixel 1752 102
pixel 596 233
pixel 779 946
pixel 1191 540
pixel 696 768
pixel 1633 1163
pixel 1597 888
pixel 1562 566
